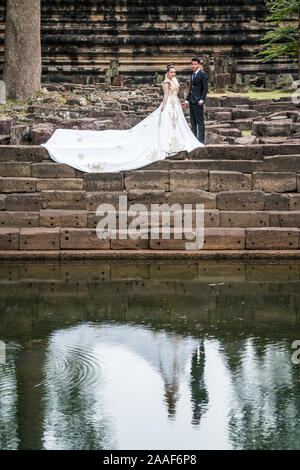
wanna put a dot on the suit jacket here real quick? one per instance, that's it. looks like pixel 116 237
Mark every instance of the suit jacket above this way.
pixel 198 88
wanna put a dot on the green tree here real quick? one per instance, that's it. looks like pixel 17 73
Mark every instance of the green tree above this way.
pixel 284 37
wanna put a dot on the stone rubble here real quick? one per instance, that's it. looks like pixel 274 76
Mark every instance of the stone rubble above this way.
pixel 229 119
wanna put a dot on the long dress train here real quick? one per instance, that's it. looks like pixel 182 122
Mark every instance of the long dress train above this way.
pixel 159 135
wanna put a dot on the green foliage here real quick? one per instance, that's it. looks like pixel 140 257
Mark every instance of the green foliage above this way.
pixel 282 39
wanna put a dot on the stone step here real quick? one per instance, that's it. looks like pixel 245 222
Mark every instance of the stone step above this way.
pixel 48 170
pixel 89 219
pixel 234 200
pixel 37 154
pixel 276 163
pixel 164 180
pixel 215 238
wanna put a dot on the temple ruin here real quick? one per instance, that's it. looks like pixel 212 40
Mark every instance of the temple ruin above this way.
pixel 80 38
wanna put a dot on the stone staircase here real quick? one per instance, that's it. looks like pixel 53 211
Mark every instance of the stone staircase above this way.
pixel 251 197
pixel 79 38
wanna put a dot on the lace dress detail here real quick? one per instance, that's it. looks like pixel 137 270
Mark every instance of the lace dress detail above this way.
pixel 159 135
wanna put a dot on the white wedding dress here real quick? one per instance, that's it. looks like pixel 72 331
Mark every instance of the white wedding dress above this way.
pixel 159 135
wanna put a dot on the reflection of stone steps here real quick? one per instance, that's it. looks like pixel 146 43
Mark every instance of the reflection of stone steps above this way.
pixel 251 198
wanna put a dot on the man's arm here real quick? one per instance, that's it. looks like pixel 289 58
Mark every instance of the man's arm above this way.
pixel 204 87
pixel 187 100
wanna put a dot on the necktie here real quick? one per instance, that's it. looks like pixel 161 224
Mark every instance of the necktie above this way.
pixel 194 75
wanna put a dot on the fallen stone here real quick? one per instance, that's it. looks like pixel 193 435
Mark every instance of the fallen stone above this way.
pixel 40 133
pixel 246 140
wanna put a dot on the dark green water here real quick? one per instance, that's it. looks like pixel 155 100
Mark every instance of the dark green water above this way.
pixel 150 356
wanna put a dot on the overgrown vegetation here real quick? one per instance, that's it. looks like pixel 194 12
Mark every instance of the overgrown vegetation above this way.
pixel 284 37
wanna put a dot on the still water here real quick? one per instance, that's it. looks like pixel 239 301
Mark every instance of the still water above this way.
pixel 150 356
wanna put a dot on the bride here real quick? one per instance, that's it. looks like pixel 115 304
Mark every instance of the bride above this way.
pixel 163 133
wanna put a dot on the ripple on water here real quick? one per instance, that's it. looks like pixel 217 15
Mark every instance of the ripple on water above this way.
pixel 71 366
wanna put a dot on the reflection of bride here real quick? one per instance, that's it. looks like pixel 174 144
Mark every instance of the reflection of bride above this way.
pixel 163 133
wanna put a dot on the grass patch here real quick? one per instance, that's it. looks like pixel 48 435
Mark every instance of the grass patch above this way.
pixel 247 132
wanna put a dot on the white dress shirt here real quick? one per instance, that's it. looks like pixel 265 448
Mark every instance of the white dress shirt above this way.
pixel 200 101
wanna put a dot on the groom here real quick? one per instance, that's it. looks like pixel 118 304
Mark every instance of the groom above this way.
pixel 196 99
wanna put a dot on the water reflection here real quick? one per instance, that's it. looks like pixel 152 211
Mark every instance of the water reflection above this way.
pixel 117 376
pixel 8 400
pixel 156 357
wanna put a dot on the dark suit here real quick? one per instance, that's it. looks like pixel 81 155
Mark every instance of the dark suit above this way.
pixel 198 91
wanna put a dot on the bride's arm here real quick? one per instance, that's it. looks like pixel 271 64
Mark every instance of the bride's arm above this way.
pixel 166 94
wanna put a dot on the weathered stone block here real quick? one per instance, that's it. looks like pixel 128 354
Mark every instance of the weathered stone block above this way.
pixel 244 166
pixel 277 201
pixel 39 238
pixel 14 169
pixel 221 180
pixel 246 140
pixel 2 202
pixel 94 199
pixel 64 199
pixel 20 134
pixel 275 182
pixel 230 132
pixel 284 218
pixel 130 243
pixel 21 153
pixel 223 116
pixel 170 239
pixel 63 218
pixel 52 170
pixel 294 202
pixel 244 113
pixel 147 179
pixel 281 163
pixel 215 238
pixel 5 125
pixel 187 179
pixel 240 200
pixel 19 219
pixel 20 185
pixel 272 238
pixel 61 184
pixel 232 100
pixel 224 238
pixel 41 132
pixel 146 197
pixel 9 238
pixel 82 239
pixel 192 196
pixel 244 219
pixel 211 218
pixel 103 181
pixel 243 124
pixel 272 128
pixel 205 165
pixel 23 202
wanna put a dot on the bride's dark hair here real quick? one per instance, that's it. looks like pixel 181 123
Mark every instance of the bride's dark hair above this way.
pixel 170 66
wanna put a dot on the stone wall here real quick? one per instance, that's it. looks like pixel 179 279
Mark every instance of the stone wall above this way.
pixel 80 38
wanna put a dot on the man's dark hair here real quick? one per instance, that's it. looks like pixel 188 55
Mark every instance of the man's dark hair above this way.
pixel 196 59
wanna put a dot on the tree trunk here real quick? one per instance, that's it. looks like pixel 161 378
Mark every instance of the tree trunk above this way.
pixel 22 49
pixel 299 45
